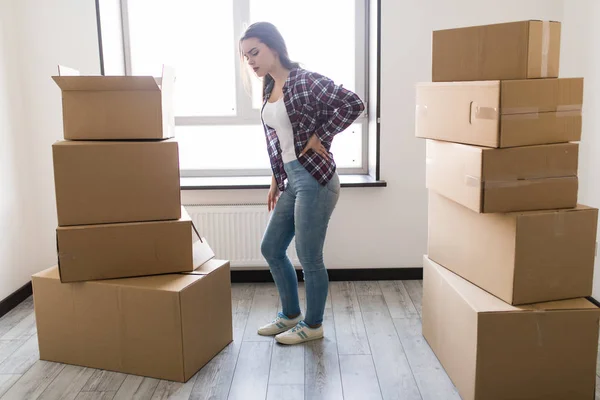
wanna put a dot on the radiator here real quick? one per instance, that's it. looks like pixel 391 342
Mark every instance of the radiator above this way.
pixel 235 232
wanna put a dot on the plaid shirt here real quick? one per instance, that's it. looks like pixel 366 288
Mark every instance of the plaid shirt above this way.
pixel 314 105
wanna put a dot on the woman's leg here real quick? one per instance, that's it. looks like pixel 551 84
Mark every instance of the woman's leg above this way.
pixel 276 240
pixel 314 206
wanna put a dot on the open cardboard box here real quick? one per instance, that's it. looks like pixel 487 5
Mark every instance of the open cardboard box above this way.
pixel 117 107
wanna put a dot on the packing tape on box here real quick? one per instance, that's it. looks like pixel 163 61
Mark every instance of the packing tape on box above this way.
pixel 421 110
pixel 520 110
pixel 536 115
pixel 559 223
pixel 565 114
pixel 569 110
pixel 478 112
pixel 472 181
pixel 563 110
pixel 506 184
pixel 569 107
pixel 516 117
pixel 545 47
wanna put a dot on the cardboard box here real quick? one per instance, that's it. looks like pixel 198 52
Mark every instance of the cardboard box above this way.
pixel 163 326
pixel 106 251
pixel 117 107
pixel 495 351
pixel 522 257
pixel 504 180
pixel 514 50
pixel 111 181
pixel 501 113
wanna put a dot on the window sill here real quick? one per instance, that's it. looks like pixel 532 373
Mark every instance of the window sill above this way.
pixel 264 182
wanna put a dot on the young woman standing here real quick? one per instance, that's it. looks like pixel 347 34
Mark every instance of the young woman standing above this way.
pixel 301 114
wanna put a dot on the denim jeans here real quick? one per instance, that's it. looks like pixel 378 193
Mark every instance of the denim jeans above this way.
pixel 303 210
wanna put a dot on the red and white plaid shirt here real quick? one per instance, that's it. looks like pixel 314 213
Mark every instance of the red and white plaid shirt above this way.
pixel 314 105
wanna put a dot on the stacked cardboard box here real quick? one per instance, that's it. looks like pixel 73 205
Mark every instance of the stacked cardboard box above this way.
pixel 510 251
pixel 136 289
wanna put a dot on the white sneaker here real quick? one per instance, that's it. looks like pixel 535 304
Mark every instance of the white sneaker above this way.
pixel 299 334
pixel 279 324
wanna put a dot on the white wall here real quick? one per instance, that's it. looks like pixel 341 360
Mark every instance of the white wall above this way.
pixel 580 57
pixel 13 175
pixel 36 36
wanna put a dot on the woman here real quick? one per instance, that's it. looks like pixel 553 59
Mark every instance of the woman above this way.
pixel 301 114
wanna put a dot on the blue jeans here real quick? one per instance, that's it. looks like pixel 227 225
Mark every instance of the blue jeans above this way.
pixel 303 210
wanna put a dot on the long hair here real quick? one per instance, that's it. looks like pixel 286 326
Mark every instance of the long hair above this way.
pixel 268 34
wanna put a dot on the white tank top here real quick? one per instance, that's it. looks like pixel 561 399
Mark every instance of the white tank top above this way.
pixel 275 115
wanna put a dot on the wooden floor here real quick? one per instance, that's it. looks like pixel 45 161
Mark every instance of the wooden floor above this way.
pixel 373 349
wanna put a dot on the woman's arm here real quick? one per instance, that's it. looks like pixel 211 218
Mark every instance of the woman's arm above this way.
pixel 342 106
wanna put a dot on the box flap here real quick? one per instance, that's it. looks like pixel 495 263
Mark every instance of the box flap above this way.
pixel 202 252
pixel 482 301
pixel 105 83
pixel 49 273
pixel 71 79
pixel 208 267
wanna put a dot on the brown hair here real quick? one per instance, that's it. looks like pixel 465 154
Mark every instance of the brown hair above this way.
pixel 268 34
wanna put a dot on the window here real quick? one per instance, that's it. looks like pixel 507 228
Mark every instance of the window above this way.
pixel 217 121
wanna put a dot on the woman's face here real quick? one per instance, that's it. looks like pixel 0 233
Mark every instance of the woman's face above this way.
pixel 259 56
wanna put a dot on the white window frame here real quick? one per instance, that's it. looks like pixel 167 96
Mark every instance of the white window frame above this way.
pixel 246 115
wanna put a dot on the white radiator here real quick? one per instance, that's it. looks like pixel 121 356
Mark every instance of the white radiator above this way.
pixel 235 232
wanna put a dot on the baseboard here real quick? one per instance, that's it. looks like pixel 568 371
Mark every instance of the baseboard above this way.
pixel 15 298
pixel 380 274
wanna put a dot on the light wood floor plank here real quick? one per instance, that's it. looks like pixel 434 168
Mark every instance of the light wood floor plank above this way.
pixel 359 378
pixel 251 377
pixel 415 291
pixel 68 383
pixel 396 379
pixel 398 300
pixel 34 382
pixel 431 378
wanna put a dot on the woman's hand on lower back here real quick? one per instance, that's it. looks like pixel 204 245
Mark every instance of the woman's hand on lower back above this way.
pixel 315 144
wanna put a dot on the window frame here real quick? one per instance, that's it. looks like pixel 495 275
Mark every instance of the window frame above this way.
pixel 246 115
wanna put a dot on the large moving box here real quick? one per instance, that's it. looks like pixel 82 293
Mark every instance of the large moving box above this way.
pixel 163 326
pixel 503 180
pixel 523 257
pixel 515 50
pixel 494 351
pixel 104 251
pixel 110 181
pixel 117 107
pixel 501 113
